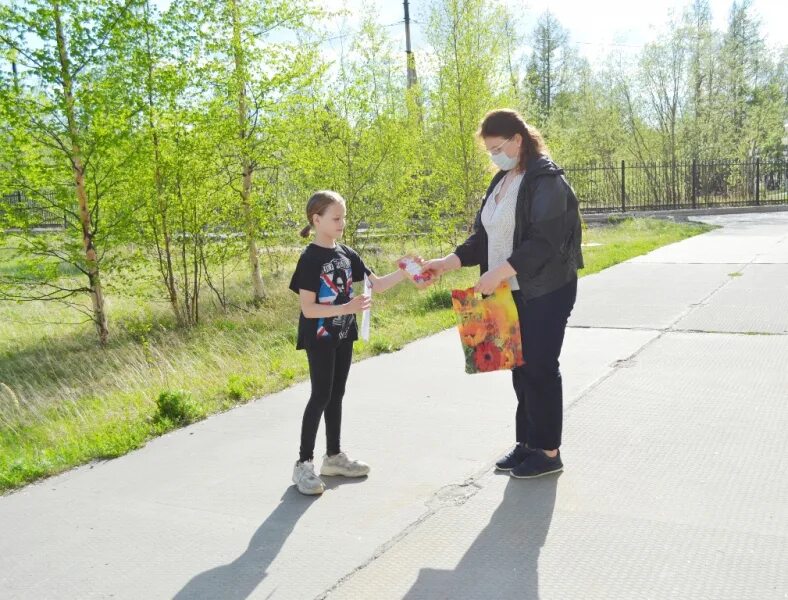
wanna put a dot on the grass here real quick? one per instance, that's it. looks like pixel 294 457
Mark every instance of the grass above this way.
pixel 630 238
pixel 65 402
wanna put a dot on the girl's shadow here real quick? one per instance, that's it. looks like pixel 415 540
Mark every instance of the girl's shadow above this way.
pixel 238 579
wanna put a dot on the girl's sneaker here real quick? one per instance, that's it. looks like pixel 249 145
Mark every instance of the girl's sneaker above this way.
pixel 305 479
pixel 340 464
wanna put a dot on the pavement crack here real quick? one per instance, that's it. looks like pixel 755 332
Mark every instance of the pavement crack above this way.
pixel 455 494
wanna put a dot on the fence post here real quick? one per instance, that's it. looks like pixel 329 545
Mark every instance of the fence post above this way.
pixel 694 183
pixel 757 181
pixel 623 189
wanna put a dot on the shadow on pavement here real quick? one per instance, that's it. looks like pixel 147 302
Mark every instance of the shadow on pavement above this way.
pixel 503 561
pixel 238 579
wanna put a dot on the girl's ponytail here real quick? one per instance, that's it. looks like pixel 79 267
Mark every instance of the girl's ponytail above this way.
pixel 304 233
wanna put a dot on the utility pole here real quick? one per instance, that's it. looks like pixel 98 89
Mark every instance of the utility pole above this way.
pixel 412 80
pixel 12 59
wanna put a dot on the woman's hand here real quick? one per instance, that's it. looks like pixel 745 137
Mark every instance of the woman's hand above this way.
pixel 358 304
pixel 490 281
pixel 439 266
pixel 436 266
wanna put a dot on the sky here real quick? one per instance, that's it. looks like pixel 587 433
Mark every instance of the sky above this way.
pixel 595 28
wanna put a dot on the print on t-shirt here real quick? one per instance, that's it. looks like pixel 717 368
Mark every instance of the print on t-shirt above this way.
pixel 336 287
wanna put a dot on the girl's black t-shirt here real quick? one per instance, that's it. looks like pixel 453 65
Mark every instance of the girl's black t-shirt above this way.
pixel 330 273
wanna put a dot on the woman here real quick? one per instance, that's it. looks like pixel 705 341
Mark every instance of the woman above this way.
pixel 528 233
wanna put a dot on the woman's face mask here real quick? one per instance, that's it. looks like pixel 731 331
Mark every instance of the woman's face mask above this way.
pixel 499 157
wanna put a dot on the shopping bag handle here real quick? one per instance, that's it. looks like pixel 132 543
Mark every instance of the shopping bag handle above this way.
pixel 471 291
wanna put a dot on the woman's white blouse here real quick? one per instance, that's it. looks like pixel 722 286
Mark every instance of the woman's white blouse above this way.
pixel 498 221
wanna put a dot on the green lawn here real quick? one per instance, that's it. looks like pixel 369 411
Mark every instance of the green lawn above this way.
pixel 65 402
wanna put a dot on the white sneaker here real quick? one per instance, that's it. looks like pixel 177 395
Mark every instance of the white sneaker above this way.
pixel 340 464
pixel 305 479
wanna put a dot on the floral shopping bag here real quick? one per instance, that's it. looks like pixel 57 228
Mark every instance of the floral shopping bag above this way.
pixel 489 329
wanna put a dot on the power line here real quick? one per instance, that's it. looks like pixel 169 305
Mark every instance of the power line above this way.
pixel 526 45
pixel 615 44
pixel 344 35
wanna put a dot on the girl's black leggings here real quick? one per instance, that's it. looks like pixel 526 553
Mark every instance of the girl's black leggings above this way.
pixel 537 384
pixel 328 369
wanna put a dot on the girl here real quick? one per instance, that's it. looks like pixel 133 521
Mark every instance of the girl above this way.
pixel 323 279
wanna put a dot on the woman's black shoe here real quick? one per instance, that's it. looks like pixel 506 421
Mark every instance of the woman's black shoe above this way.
pixel 537 464
pixel 513 458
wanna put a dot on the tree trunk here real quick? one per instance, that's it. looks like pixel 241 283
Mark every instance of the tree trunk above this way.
pixel 247 172
pixel 188 306
pixel 77 162
pixel 468 200
pixel 161 215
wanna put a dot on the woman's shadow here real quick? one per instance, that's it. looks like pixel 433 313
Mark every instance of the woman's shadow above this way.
pixel 503 561
pixel 238 579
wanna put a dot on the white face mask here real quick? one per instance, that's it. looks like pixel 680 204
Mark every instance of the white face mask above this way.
pixel 504 162
pixel 500 158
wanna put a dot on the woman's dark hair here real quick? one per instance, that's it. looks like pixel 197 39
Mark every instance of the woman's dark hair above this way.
pixel 505 123
pixel 317 205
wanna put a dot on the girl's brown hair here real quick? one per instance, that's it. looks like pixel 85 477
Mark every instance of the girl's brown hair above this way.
pixel 505 123
pixel 317 205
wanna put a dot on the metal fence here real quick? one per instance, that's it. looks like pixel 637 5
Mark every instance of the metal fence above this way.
pixel 672 185
pixel 600 188
pixel 33 212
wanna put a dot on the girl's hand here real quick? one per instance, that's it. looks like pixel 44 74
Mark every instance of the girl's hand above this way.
pixel 358 304
pixel 424 284
pixel 488 283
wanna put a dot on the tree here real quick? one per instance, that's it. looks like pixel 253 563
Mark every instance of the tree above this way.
pixel 187 230
pixel 68 124
pixel 551 63
pixel 360 138
pixel 471 80
pixel 701 131
pixel 744 65
pixel 244 75
pixel 512 43
pixel 589 125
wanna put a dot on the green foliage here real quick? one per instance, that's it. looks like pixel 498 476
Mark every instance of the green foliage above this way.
pixel 470 82
pixel 176 407
pixel 436 299
pixel 204 129
pixel 383 346
pixel 68 126
pixel 243 387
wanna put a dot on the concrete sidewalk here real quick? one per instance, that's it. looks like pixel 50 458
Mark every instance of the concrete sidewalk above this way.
pixel 676 482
